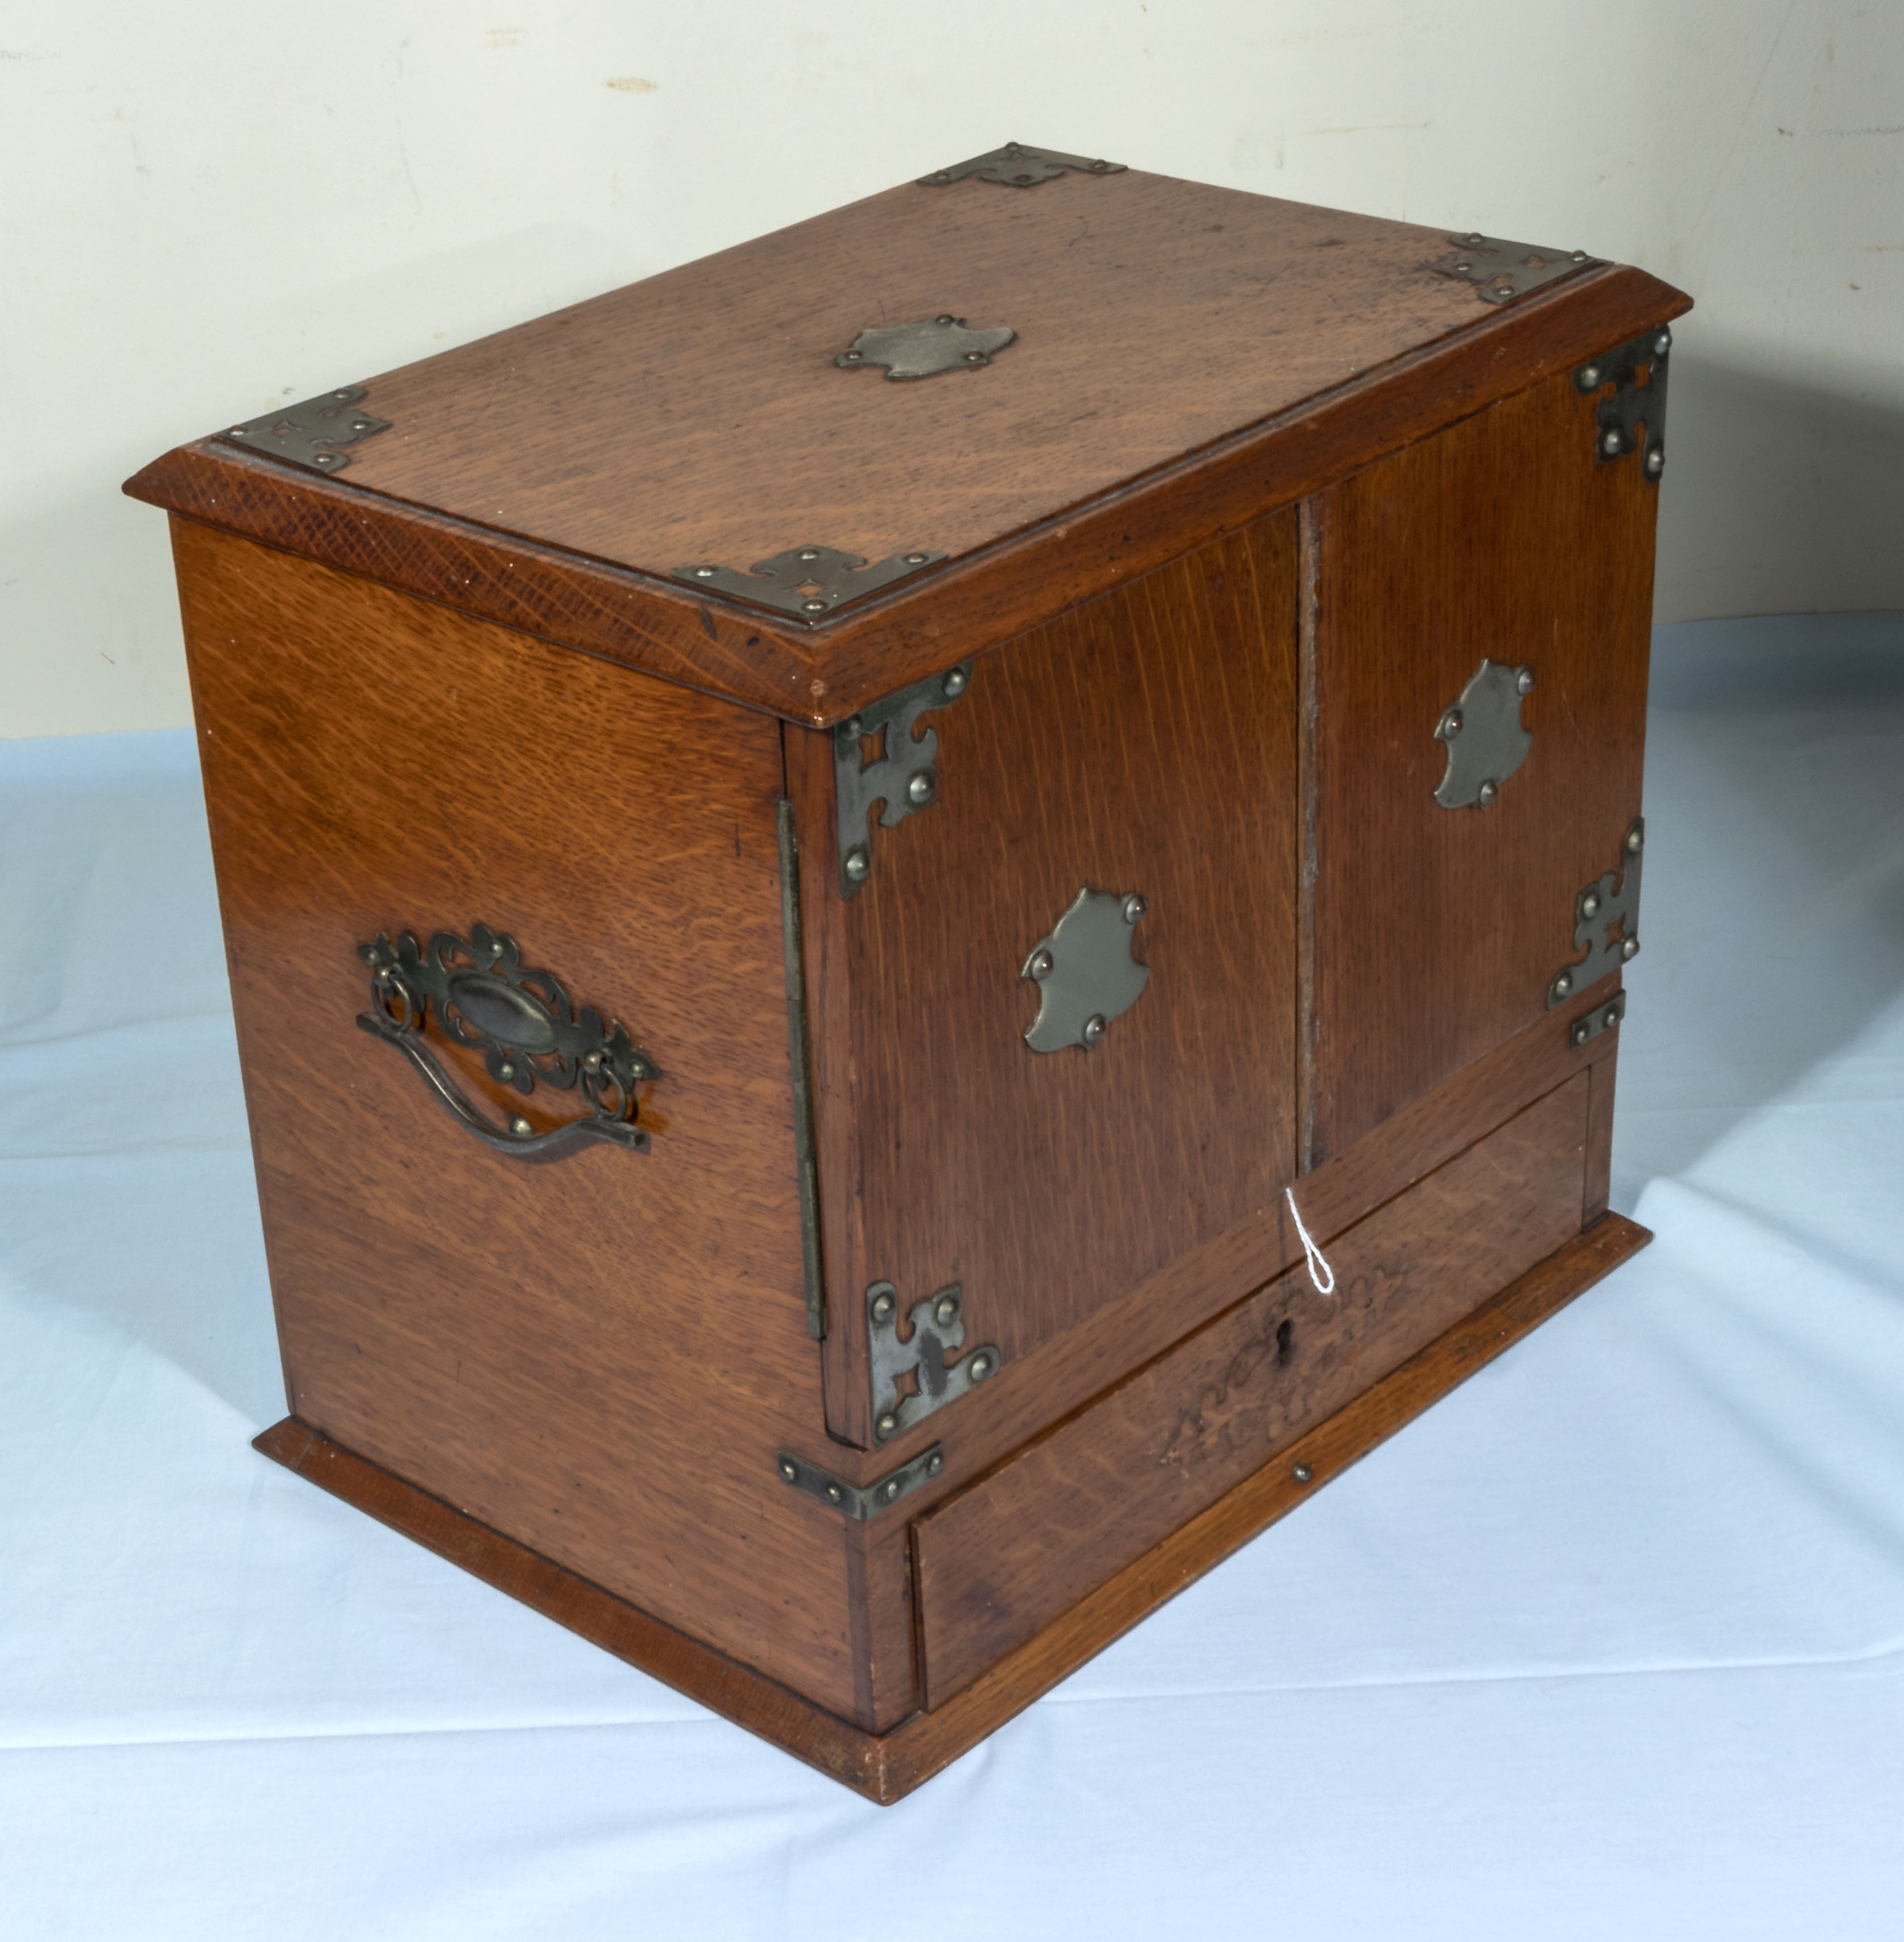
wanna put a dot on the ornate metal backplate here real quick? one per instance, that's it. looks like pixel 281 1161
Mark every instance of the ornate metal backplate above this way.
pixel 925 350
pixel 1606 922
pixel 938 1331
pixel 855 1501
pixel 1486 743
pixel 1502 271
pixel 311 434
pixel 905 775
pixel 1084 973
pixel 1630 407
pixel 525 1025
pixel 809 581
pixel 1019 167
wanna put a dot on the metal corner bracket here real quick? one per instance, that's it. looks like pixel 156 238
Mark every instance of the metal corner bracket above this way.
pixel 938 1325
pixel 1017 167
pixel 1629 406
pixel 1612 902
pixel 809 582
pixel 311 434
pixel 1602 1018
pixel 860 1502
pixel 905 776
pixel 1501 270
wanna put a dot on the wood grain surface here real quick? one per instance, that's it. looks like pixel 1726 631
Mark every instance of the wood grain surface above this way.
pixel 887 1767
pixel 1437 932
pixel 821 672
pixel 601 1355
pixel 1145 744
pixel 999 1562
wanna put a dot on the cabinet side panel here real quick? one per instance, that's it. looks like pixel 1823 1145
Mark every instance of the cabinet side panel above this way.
pixel 1437 931
pixel 600 1355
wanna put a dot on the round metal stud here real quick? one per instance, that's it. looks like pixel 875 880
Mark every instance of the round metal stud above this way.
pixel 789 1468
pixel 916 558
pixel 887 1424
pixel 1100 167
pixel 1093 1032
pixel 813 606
pixel 1663 343
pixel 1135 908
pixel 834 1493
pixel 340 394
pixel 1524 680
pixel 858 864
pixel 852 726
pixel 1636 840
pixel 850 357
pixel 520 1127
pixel 1610 1016
pixel 592 1060
pixel 1580 1032
pixel 328 458
pixel 1041 965
pixel 882 1307
pixel 953 684
pixel 1462 269
pixel 809 553
pixel 1611 442
pixel 1564 983
pixel 946 319
pixel 1580 256
pixel 505 1070
pixel 918 787
pixel 981 1368
pixel 1656 462
pixel 1629 950
pixel 1301 1473
pixel 239 431
pixel 1486 793
pixel 1588 377
pixel 934 1464
pixel 706 572
pixel 1589 904
pixel 891 1489
pixel 976 357
pixel 1451 724
pixel 944 1309
pixel 1475 236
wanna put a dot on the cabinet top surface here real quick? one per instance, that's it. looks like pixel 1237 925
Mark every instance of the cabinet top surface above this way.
pixel 702 417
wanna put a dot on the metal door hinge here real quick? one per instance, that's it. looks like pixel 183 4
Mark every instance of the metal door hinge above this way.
pixel 905 776
pixel 1019 167
pixel 1629 406
pixel 1502 271
pixel 1601 908
pixel 938 1325
pixel 809 582
pixel 860 1502
pixel 311 434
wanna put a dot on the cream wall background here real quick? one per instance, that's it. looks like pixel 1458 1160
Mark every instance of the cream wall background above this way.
pixel 208 206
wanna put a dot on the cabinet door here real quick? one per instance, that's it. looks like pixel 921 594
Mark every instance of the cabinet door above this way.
pixel 1145 744
pixel 1437 932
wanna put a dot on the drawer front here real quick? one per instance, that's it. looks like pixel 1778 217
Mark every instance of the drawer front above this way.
pixel 999 1561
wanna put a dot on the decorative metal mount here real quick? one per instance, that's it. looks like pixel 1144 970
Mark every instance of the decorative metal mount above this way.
pixel 809 582
pixel 311 434
pixel 1617 424
pixel 925 350
pixel 853 1500
pixel 1614 900
pixel 1084 972
pixel 1603 1018
pixel 1485 740
pixel 1501 270
pixel 1019 167
pixel 905 777
pixel 524 1024
pixel 938 1329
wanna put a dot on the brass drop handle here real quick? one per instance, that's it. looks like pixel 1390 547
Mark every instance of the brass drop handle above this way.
pixel 526 1028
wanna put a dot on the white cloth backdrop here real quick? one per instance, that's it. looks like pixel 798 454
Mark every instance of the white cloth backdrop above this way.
pixel 1608 1645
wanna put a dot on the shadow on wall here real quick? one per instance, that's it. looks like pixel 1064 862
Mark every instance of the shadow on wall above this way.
pixel 1779 499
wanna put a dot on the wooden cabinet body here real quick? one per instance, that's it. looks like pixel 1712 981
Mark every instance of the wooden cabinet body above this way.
pixel 862 1365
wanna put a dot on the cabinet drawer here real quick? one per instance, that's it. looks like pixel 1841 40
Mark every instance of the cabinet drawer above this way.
pixel 1000 1560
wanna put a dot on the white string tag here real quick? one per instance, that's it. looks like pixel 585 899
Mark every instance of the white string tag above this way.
pixel 1324 1283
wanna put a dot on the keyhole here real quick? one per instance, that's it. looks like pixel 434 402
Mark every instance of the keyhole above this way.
pixel 1285 1343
